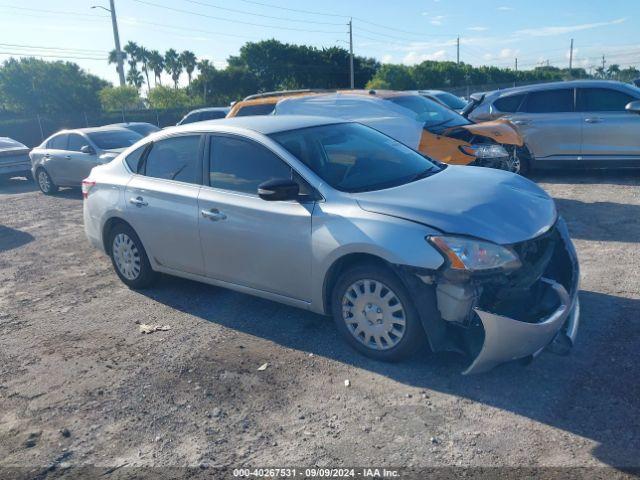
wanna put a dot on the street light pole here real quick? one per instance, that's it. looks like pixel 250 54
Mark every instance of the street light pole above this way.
pixel 116 39
pixel 351 77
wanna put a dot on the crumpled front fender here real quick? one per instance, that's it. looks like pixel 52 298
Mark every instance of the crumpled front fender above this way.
pixel 508 339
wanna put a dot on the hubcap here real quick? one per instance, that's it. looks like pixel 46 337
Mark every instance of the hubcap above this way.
pixel 514 162
pixel 126 256
pixel 373 314
pixel 43 181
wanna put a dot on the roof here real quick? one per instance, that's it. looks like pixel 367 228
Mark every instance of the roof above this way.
pixel 550 85
pixel 116 128
pixel 264 124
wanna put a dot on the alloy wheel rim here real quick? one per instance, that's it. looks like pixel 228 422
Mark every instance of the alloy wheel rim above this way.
pixel 43 181
pixel 126 256
pixel 373 314
pixel 514 163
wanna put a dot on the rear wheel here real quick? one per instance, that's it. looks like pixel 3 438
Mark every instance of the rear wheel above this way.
pixel 45 183
pixel 129 258
pixel 375 315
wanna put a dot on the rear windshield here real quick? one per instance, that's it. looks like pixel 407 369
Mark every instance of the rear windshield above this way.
pixel 144 129
pixel 113 139
pixel 431 114
pixel 10 143
pixel 264 109
pixel 451 100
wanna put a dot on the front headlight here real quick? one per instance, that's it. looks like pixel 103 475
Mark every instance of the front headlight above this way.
pixel 485 151
pixel 475 255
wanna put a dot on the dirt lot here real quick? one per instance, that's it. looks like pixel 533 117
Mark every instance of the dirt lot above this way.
pixel 79 385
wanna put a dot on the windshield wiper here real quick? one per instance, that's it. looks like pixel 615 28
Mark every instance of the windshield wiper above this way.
pixel 424 174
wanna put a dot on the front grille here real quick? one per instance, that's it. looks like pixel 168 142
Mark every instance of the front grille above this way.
pixel 535 255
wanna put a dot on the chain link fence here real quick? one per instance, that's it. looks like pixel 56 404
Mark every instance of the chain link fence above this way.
pixel 31 130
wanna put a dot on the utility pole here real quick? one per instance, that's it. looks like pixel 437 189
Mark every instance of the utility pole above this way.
pixel 458 51
pixel 351 78
pixel 116 39
pixel 571 59
pixel 516 64
pixel 603 62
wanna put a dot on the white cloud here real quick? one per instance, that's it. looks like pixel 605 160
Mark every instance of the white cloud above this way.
pixel 561 30
pixel 387 58
pixel 414 57
pixel 504 8
pixel 437 20
pixel 478 29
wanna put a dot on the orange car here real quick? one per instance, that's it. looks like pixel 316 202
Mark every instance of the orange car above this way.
pixel 423 124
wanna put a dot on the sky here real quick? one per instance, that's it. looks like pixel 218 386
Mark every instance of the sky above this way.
pixel 491 32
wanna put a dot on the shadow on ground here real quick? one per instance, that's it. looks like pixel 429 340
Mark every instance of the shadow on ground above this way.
pixel 593 393
pixel 11 238
pixel 601 221
pixel 12 186
pixel 613 177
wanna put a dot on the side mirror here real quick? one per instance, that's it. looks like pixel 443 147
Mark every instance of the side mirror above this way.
pixel 279 189
pixel 633 107
pixel 88 149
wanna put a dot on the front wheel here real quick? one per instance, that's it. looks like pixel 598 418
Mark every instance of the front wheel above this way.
pixel 375 315
pixel 519 160
pixel 129 258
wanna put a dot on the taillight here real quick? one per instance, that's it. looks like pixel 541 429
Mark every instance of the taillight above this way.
pixel 86 187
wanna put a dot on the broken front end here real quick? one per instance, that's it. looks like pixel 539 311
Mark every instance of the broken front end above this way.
pixel 496 315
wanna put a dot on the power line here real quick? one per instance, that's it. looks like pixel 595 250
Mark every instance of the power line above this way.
pixel 56 12
pixel 51 48
pixel 294 9
pixel 278 27
pixel 244 12
pixel 62 57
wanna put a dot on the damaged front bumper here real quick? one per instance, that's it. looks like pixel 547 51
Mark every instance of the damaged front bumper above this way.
pixel 507 339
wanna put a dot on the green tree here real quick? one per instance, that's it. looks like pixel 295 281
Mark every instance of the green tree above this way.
pixel 156 63
pixel 134 77
pixel 30 85
pixel 133 53
pixel 188 61
pixel 166 97
pixel 173 66
pixel 120 98
pixel 207 71
pixel 113 58
pixel 613 71
pixel 143 55
pixel 397 77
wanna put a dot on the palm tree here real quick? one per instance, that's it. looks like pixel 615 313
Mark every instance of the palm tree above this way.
pixel 133 51
pixel 156 63
pixel 113 57
pixel 189 62
pixel 600 72
pixel 206 73
pixel 143 55
pixel 613 71
pixel 134 77
pixel 173 66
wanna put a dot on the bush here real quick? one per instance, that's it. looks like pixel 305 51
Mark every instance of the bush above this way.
pixel 166 97
pixel 120 98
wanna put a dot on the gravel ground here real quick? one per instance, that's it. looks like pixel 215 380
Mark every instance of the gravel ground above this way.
pixel 79 385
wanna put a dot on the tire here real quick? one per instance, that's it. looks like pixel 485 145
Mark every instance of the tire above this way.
pixel 45 183
pixel 521 157
pixel 129 257
pixel 374 313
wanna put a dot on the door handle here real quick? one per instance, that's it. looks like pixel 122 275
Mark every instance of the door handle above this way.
pixel 138 202
pixel 47 155
pixel 593 120
pixel 214 215
pixel 521 122
pixel 68 157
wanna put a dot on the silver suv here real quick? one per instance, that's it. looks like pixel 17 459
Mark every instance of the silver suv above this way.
pixel 583 123
pixel 342 220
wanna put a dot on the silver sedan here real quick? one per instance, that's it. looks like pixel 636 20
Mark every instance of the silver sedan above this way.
pixel 68 156
pixel 337 218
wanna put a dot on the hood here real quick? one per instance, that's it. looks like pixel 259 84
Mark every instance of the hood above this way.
pixel 502 131
pixel 490 204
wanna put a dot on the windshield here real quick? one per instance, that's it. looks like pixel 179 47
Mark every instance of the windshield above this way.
pixel 143 129
pixel 430 113
pixel 114 139
pixel 451 100
pixel 353 158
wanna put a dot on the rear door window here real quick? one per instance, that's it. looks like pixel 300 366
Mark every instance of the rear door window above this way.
pixel 602 100
pixel 133 159
pixel 212 115
pixel 59 142
pixel 510 103
pixel 549 101
pixel 175 158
